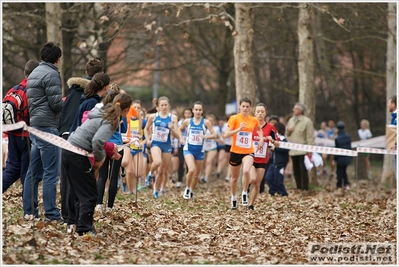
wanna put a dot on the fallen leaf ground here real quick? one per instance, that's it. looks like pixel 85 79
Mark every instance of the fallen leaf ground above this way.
pixel 204 230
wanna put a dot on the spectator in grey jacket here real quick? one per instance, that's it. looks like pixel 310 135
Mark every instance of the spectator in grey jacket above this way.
pixel 91 136
pixel 45 104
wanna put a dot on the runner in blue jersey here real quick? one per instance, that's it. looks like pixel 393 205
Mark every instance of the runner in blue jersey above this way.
pixel 158 132
pixel 193 148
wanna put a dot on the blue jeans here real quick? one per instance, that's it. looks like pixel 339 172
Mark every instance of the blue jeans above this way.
pixel 45 166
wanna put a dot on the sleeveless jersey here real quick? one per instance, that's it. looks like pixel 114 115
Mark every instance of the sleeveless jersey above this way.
pixel 133 127
pixel 194 142
pixel 262 153
pixel 211 144
pixel 161 134
pixel 242 141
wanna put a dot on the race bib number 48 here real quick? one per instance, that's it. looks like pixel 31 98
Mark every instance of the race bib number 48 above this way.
pixel 244 139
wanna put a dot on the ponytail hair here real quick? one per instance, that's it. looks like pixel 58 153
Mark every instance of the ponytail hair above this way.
pixel 113 111
pixel 154 106
pixel 109 96
pixel 98 82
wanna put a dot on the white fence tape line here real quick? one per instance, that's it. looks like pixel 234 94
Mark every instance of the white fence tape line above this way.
pixel 375 151
pixel 132 140
pixel 51 138
pixel 15 126
pixel 61 142
pixel 318 149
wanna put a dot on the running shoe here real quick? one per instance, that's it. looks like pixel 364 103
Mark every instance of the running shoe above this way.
pixel 251 207
pixel 244 198
pixel 149 179
pixel 186 194
pixel 155 194
pixel 234 204
pixel 70 228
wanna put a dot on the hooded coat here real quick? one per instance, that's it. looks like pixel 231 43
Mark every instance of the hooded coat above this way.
pixel 71 104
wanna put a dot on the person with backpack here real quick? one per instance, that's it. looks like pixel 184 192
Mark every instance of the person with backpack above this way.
pixel 18 146
pixel 44 91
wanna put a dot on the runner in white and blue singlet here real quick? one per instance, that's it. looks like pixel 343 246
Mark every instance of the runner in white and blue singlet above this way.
pixel 158 132
pixel 193 149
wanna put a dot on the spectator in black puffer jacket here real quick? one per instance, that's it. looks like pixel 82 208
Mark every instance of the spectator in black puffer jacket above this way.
pixel 344 141
pixel 70 108
pixel 75 93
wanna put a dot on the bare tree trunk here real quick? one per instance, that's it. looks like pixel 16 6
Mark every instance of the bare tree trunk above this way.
pixel 306 59
pixel 306 68
pixel 54 31
pixel 243 53
pixel 388 167
pixel 69 28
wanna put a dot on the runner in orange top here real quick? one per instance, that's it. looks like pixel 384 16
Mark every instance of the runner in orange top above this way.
pixel 240 127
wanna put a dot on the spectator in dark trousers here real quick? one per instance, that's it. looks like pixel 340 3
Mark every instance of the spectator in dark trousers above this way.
pixel 93 92
pixel 300 131
pixel 69 110
pixel 44 91
pixel 18 145
pixel 275 174
pixel 344 141
pixel 91 136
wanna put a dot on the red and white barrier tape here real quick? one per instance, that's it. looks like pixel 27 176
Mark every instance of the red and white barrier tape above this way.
pixel 61 142
pixel 318 149
pixel 375 151
pixel 51 138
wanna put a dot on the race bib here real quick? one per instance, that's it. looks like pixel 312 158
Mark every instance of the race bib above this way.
pixel 160 134
pixel 209 145
pixel 195 137
pixel 244 139
pixel 260 151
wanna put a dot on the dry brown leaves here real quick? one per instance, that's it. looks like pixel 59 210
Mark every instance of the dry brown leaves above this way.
pixel 204 230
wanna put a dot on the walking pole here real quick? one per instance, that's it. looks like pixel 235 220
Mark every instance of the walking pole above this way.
pixel 137 176
pixel 356 170
pixel 109 178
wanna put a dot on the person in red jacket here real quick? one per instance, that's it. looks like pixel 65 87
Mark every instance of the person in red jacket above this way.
pixel 18 145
